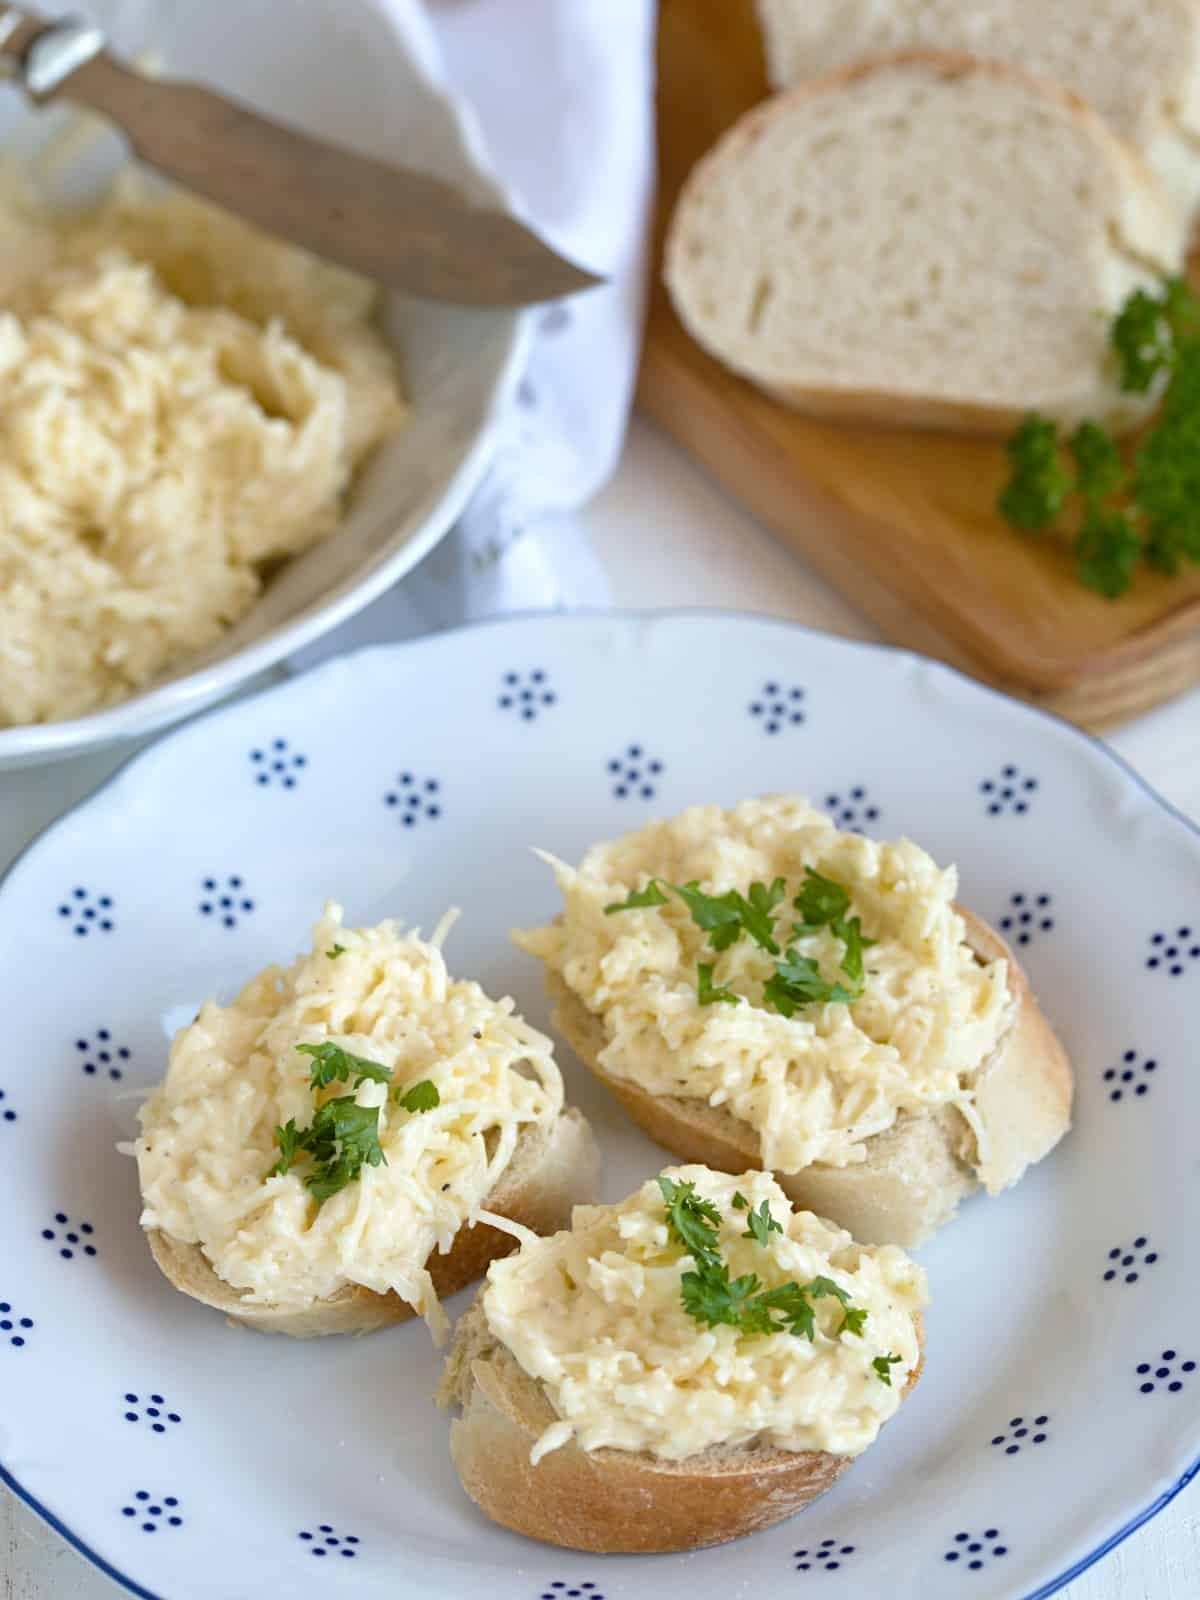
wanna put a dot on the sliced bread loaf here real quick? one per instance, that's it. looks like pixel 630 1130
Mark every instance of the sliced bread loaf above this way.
pixel 1136 61
pixel 928 239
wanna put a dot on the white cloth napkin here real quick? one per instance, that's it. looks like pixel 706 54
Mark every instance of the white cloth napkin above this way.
pixel 564 92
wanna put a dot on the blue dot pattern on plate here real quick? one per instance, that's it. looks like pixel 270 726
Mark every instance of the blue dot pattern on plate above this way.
pixel 224 900
pixel 526 694
pixel 633 773
pixel 1131 1077
pixel 853 809
pixel 101 1057
pixel 416 799
pixel 573 1591
pixel 7 1114
pixel 14 1330
pixel 1172 952
pixel 84 912
pixel 1021 1431
pixel 152 1513
pixel 151 1409
pixel 326 1541
pixel 827 1556
pixel 69 1238
pixel 1011 790
pixel 277 764
pixel 1124 1261
pixel 778 705
pixel 976 1550
pixel 1027 915
pixel 1168 1373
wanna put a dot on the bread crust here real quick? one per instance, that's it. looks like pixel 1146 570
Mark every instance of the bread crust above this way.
pixel 553 1169
pixel 607 1500
pixel 1146 230
pixel 916 1172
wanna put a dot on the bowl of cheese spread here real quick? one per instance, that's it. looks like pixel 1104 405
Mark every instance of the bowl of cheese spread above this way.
pixel 214 447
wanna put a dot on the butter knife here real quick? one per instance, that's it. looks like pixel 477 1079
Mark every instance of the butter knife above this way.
pixel 404 229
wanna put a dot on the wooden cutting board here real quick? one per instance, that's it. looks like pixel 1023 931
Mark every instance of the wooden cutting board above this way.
pixel 900 521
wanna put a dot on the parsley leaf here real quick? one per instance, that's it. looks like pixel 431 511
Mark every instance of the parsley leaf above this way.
pixel 343 1138
pixel 336 951
pixel 288 1141
pixel 1142 338
pixel 331 1061
pixel 822 1288
pixel 710 1297
pixel 708 994
pixel 853 1320
pixel 1035 492
pixel 1106 551
pixel 719 915
pixel 421 1096
pixel 692 1221
pixel 883 1366
pixel 651 895
pixel 798 982
pixel 761 1224
pixel 1120 514
pixel 1100 472
pixel 821 901
pixel 851 934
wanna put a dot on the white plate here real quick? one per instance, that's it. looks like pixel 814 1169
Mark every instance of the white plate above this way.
pixel 363 74
pixel 1061 1403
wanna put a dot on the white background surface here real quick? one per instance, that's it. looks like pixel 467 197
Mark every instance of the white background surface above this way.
pixel 666 537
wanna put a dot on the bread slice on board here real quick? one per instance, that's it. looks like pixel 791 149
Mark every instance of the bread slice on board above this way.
pixel 608 1500
pixel 916 1172
pixel 1136 61
pixel 553 1169
pixel 925 240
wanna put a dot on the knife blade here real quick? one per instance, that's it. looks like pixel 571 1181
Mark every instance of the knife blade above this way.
pixel 402 228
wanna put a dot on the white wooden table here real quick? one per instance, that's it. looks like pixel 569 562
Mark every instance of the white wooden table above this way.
pixel 667 537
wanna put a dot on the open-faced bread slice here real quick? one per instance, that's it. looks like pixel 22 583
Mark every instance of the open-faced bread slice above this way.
pixel 928 239
pixel 709 1432
pixel 916 1172
pixel 608 1500
pixel 552 1169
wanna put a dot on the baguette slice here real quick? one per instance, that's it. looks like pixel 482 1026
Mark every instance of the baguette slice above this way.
pixel 927 239
pixel 607 1500
pixel 1136 61
pixel 553 1169
pixel 916 1172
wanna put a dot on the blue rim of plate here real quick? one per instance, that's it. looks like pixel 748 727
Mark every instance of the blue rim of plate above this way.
pixel 1080 735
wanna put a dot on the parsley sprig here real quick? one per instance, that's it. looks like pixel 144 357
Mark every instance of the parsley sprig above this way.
pixel 797 980
pixel 343 1136
pixel 711 1297
pixel 1120 511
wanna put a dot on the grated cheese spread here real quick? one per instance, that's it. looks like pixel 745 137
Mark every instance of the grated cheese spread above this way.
pixel 207 1138
pixel 184 402
pixel 815 1086
pixel 595 1316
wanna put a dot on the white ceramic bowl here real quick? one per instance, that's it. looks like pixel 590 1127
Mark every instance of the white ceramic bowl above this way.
pixel 350 71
